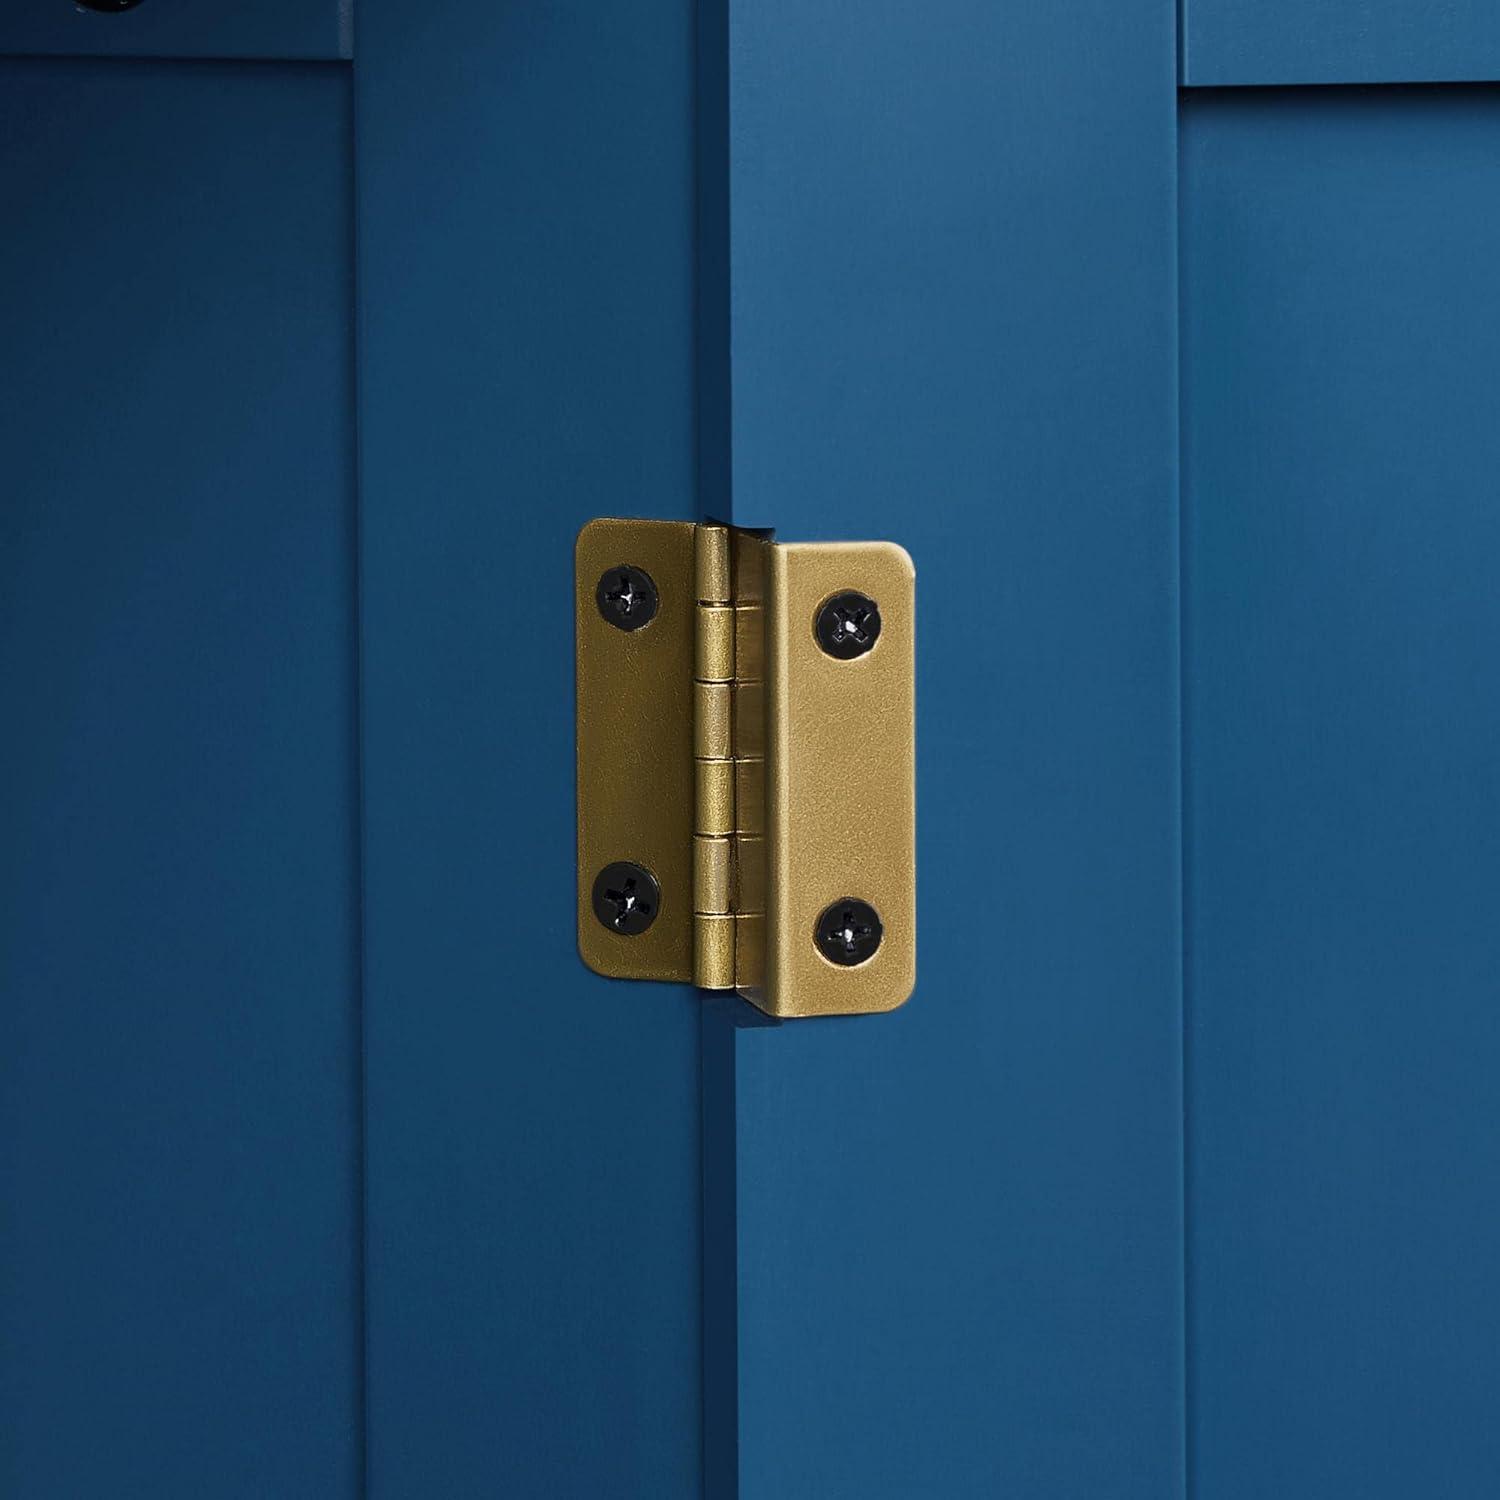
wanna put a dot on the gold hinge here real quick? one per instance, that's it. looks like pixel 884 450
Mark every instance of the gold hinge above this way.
pixel 746 770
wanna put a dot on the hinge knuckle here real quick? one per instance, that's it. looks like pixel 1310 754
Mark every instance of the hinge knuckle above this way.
pixel 713 875
pixel 715 798
pixel 713 720
pixel 714 951
pixel 712 562
pixel 715 644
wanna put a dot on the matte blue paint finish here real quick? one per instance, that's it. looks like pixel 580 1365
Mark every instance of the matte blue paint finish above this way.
pixel 1339 41
pixel 286 29
pixel 179 1242
pixel 533 1190
pixel 1341 343
pixel 951 286
pixel 934 298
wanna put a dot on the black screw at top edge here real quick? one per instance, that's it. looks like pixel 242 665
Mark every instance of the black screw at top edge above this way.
pixel 627 597
pixel 107 5
pixel 847 625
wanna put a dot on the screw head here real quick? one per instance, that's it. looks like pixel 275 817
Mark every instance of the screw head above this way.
pixel 627 597
pixel 849 932
pixel 626 898
pixel 847 625
pixel 110 5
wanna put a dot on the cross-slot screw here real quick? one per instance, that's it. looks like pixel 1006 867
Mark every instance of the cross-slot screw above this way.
pixel 626 898
pixel 847 625
pixel 627 597
pixel 849 932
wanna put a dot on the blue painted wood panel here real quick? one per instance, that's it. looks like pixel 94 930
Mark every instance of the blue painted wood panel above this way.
pixel 179 1044
pixel 951 305
pixel 283 29
pixel 1339 41
pixel 1341 343
pixel 525 249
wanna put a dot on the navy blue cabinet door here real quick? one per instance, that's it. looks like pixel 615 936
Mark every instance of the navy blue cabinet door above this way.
pixel 1341 341
pixel 1165 337
pixel 956 1230
pixel 180 1261
pixel 525 241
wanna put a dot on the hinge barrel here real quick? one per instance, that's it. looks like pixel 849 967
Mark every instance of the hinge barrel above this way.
pixel 713 752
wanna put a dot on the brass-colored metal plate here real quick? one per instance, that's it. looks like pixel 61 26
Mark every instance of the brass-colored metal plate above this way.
pixel 840 772
pixel 757 778
pixel 635 743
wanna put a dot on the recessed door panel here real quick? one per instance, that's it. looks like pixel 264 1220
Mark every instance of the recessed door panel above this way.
pixel 1341 345
pixel 179 1026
